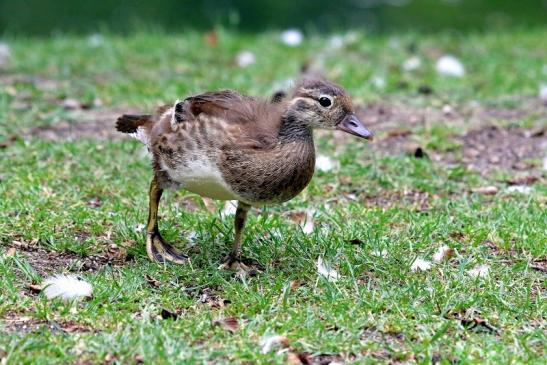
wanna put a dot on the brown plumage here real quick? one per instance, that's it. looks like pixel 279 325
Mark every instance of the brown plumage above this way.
pixel 225 145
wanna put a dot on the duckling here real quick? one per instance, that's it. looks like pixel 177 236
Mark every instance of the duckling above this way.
pixel 228 146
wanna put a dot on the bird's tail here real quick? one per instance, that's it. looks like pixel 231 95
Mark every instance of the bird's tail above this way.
pixel 128 123
pixel 136 125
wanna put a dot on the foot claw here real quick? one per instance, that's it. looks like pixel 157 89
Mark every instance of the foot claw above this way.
pixel 160 251
pixel 237 265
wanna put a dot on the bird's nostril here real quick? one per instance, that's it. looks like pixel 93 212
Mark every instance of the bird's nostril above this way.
pixel 353 124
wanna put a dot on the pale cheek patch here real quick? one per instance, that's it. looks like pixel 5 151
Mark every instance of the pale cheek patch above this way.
pixel 142 136
pixel 174 123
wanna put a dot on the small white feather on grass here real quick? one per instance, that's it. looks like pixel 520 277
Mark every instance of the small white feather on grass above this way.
pixel 5 55
pixel 420 265
pixel 449 65
pixel 66 287
pixel 480 271
pixel 245 58
pixel 307 225
pixel 326 270
pixel 292 37
pixel 230 208
pixel 412 63
pixel 380 253
pixel 542 94
pixel 444 253
pixel 521 189
pixel 139 228
pixel 325 163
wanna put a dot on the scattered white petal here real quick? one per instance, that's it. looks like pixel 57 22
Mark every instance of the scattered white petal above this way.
pixel 412 63
pixel 326 271
pixel 95 40
pixel 292 37
pixel 270 342
pixel 230 208
pixel 325 163
pixel 443 253
pixel 378 81
pixel 245 58
pixel 545 163
pixel 448 110
pixel 542 91
pixel 522 189
pixel 308 224
pixel 66 287
pixel 480 271
pixel 139 227
pixel 449 65
pixel 337 41
pixel 382 253
pixel 192 236
pixel 71 104
pixel 420 265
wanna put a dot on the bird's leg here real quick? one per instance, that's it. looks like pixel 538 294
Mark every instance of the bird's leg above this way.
pixel 156 247
pixel 233 261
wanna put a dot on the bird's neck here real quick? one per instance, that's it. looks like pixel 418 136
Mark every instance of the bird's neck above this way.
pixel 293 130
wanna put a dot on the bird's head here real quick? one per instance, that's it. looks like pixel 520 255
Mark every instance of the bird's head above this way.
pixel 322 104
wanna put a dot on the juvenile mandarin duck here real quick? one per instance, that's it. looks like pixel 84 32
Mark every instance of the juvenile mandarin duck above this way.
pixel 227 146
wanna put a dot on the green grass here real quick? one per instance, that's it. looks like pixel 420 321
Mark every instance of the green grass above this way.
pixel 379 311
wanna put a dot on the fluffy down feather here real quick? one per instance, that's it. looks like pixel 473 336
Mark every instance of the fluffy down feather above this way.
pixel 66 287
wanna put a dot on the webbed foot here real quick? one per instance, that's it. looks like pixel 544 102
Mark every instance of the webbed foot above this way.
pixel 160 251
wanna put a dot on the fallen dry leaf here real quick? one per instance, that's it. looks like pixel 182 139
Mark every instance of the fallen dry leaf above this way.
pixel 304 219
pixel 293 359
pixel 210 205
pixel 397 132
pixel 230 324
pixel 270 342
pixel 167 314
pixel 355 241
pixel 153 282
pixel 213 301
pixel 523 180
pixel 10 252
pixel 211 38
pixel 94 202
pixel 486 190
pixel 35 288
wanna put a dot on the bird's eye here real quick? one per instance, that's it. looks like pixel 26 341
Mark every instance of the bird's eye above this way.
pixel 325 101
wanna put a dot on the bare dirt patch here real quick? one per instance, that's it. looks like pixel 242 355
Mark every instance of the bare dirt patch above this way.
pixel 491 147
pixel 17 322
pixel 488 138
pixel 83 124
pixel 51 262
pixel 409 198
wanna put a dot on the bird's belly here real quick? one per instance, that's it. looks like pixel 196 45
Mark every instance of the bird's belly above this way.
pixel 202 178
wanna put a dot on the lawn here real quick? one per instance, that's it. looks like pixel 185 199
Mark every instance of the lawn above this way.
pixel 457 162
